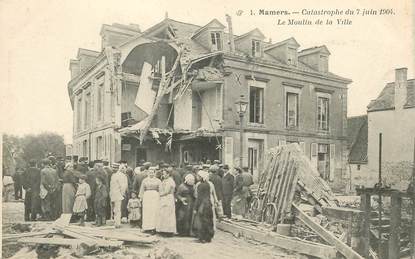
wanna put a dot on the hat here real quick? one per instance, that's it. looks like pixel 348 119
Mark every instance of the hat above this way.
pixel 115 165
pixel 216 161
pixel 83 177
pixel 147 164
pixel 204 175
pixel 225 167
pixel 98 161
pixel 213 168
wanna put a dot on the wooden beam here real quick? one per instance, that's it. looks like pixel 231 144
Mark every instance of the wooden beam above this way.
pixel 86 238
pixel 365 206
pixel 51 241
pixel 395 227
pixel 289 243
pixel 27 234
pixel 344 249
pixel 130 78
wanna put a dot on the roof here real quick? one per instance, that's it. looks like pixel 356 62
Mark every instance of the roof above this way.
pixel 357 134
pixel 87 52
pixel 212 24
pixel 291 41
pixel 312 50
pixel 254 31
pixel 386 98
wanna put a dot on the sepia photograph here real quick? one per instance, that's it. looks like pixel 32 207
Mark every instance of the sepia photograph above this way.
pixel 207 129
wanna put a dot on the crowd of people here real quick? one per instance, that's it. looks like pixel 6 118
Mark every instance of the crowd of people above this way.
pixel 158 198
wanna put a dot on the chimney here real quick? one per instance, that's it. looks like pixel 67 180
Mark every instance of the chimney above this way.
pixel 401 84
pixel 231 36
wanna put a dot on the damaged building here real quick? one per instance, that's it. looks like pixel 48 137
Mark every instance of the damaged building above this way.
pixel 169 93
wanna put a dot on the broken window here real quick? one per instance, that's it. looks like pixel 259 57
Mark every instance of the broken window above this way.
pixel 323 162
pixel 323 113
pixel 256 104
pixel 256 48
pixel 216 41
pixel 291 110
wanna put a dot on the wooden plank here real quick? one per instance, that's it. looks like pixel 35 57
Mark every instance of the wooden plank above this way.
pixel 289 243
pixel 86 238
pixel 51 241
pixel 344 249
pixel 122 236
pixel 27 234
pixel 64 219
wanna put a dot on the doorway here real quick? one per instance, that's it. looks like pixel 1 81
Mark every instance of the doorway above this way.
pixel 255 157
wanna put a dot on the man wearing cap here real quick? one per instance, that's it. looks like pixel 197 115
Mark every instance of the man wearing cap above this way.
pixel 228 181
pixel 32 182
pixel 49 181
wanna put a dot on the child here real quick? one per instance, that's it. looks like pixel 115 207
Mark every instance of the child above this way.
pixel 134 206
pixel 100 202
pixel 82 194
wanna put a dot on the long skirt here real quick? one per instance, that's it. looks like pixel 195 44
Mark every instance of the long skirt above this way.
pixel 68 197
pixel 184 217
pixel 167 215
pixel 204 221
pixel 150 209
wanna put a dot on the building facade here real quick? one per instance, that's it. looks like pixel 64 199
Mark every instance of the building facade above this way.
pixel 292 97
pixel 392 114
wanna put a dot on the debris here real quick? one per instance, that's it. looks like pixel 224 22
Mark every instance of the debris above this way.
pixel 290 243
pixel 347 251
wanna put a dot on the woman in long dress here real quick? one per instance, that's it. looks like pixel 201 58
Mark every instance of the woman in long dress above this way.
pixel 149 194
pixel 68 189
pixel 204 216
pixel 185 201
pixel 167 210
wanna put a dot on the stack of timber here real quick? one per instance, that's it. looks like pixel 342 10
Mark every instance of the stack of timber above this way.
pixel 82 240
pixel 288 173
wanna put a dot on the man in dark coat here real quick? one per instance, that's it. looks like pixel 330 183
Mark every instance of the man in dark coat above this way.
pixel 217 183
pixel 17 179
pixel 31 184
pixel 100 201
pixel 228 181
pixel 139 177
pixel 91 180
pixel 50 181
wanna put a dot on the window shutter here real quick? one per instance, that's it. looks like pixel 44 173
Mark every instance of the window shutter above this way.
pixel 313 149
pixel 302 146
pixel 313 153
pixel 332 160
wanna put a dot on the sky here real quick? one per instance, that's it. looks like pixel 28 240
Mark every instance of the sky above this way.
pixel 39 37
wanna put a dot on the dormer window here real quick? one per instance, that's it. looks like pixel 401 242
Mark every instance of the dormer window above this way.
pixel 216 41
pixel 292 56
pixel 256 48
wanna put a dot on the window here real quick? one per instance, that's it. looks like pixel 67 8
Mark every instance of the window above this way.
pixel 216 41
pixel 79 114
pixel 292 56
pixel 323 161
pixel 358 167
pixel 323 113
pixel 99 147
pixel 256 104
pixel 256 48
pixel 291 110
pixel 85 148
pixel 100 101
pixel 87 110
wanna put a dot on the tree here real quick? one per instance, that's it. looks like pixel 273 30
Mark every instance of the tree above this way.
pixel 11 153
pixel 38 146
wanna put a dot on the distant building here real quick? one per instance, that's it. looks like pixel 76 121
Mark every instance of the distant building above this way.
pixel 357 133
pixel 392 113
pixel 292 97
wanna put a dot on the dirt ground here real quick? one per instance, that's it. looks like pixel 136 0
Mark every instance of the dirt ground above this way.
pixel 223 246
